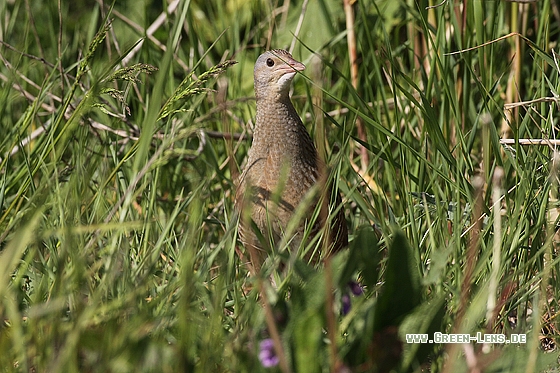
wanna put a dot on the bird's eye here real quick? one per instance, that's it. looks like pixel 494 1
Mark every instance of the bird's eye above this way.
pixel 270 62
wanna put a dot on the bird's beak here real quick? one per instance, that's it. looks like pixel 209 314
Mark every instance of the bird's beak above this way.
pixel 296 65
pixel 291 65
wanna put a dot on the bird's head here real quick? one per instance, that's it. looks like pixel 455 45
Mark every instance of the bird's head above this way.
pixel 273 73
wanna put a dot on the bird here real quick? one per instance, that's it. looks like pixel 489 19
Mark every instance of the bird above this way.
pixel 282 167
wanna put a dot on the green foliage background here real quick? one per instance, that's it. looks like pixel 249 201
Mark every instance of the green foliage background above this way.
pixel 123 126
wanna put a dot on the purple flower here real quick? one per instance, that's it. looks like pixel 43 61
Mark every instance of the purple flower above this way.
pixel 356 288
pixel 267 355
pixel 346 304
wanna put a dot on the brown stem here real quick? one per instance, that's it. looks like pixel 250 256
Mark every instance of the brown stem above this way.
pixel 352 51
pixel 273 330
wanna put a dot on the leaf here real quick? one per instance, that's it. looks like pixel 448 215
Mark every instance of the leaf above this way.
pixel 401 292
pixel 307 339
pixel 425 319
pixel 363 257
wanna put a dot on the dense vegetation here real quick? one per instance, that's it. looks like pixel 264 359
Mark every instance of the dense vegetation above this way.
pixel 123 127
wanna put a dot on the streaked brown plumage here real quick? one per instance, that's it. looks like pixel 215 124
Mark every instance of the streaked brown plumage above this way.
pixel 282 165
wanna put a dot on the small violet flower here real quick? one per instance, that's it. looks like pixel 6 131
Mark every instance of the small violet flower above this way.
pixel 346 304
pixel 267 355
pixel 356 289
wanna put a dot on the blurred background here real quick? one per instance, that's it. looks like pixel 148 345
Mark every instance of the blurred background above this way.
pixel 123 129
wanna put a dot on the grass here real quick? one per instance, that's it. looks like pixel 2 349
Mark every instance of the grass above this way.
pixel 124 126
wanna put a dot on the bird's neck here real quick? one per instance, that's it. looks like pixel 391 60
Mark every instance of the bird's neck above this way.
pixel 280 134
pixel 278 121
